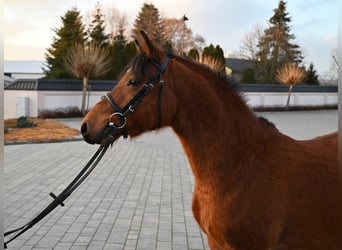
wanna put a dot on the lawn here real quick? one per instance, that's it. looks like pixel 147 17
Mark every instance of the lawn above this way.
pixel 44 130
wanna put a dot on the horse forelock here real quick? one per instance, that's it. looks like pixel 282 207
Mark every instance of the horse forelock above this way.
pixel 138 66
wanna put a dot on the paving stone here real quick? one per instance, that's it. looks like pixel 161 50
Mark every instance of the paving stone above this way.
pixel 138 197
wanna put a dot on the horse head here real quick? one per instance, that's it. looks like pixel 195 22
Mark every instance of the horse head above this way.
pixel 139 102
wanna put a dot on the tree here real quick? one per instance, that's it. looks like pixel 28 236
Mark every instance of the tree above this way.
pixel 115 21
pixel 311 75
pixel 121 53
pixel 248 76
pixel 275 47
pixel 180 36
pixel 149 21
pixel 193 53
pixel 249 46
pixel 214 54
pixel 85 61
pixel 96 29
pixel 290 74
pixel 72 31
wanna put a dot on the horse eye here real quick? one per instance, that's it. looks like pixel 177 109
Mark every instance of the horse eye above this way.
pixel 134 83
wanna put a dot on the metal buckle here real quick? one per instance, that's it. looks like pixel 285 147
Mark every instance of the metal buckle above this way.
pixel 112 124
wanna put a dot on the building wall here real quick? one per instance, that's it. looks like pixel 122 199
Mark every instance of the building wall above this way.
pixel 269 99
pixel 10 102
pixel 50 100
pixel 27 75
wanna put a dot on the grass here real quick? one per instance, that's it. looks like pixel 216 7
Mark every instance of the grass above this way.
pixel 45 130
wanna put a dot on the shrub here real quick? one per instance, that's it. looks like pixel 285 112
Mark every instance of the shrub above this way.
pixel 22 122
pixel 60 113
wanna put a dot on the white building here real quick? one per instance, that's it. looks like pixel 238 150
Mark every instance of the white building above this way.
pixel 24 69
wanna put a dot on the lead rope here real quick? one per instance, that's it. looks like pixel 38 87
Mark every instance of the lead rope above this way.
pixel 59 199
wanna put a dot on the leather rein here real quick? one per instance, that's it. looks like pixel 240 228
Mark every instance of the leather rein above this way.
pixel 59 199
pixel 111 130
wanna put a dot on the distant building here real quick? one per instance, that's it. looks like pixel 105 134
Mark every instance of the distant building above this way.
pixel 236 66
pixel 8 80
pixel 24 69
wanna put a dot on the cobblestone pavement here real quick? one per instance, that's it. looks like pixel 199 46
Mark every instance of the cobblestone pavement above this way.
pixel 138 197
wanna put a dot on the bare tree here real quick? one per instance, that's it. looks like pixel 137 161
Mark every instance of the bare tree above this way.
pixel 290 74
pixel 249 46
pixel 335 57
pixel 85 61
pixel 181 36
pixel 115 21
pixel 330 78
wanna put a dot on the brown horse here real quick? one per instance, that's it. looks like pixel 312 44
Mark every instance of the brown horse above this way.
pixel 255 188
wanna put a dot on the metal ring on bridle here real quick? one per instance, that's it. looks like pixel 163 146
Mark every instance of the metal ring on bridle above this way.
pixel 118 114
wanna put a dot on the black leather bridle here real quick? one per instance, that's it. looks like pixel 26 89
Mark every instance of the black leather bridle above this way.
pixel 121 113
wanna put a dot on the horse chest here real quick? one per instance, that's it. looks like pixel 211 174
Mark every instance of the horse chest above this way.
pixel 203 207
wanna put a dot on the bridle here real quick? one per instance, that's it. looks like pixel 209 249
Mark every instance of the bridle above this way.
pixel 121 113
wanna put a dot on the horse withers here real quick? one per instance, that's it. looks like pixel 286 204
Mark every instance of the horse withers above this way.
pixel 255 188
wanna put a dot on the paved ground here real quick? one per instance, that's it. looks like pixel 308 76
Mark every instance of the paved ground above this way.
pixel 139 197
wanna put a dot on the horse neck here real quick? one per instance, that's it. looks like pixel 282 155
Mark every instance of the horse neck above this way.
pixel 214 124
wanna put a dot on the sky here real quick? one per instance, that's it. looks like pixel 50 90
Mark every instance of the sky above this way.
pixel 29 24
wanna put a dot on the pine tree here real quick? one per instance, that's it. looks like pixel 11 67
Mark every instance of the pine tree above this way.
pixel 121 53
pixel 96 30
pixel 71 32
pixel 311 75
pixel 276 47
pixel 149 21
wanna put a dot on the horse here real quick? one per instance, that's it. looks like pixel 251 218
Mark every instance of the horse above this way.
pixel 254 187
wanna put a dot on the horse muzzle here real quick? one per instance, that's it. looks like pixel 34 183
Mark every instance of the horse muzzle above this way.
pixel 100 137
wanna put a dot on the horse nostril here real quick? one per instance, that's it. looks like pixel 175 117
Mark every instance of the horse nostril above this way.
pixel 84 128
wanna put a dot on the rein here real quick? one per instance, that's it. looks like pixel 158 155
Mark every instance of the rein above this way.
pixel 110 132
pixel 121 113
pixel 59 199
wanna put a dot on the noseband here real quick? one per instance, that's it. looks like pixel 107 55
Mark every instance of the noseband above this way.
pixel 121 113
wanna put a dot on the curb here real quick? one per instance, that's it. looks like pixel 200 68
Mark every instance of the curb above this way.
pixel 76 138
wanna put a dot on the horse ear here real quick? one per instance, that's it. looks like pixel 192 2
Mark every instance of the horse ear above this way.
pixel 149 47
pixel 138 46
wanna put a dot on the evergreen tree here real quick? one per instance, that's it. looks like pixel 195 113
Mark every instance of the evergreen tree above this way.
pixel 311 75
pixel 248 76
pixel 276 47
pixel 209 51
pixel 121 53
pixel 71 32
pixel 216 55
pixel 130 52
pixel 97 29
pixel 193 53
pixel 149 21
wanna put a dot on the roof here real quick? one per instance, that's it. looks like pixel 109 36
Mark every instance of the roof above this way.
pixel 285 88
pixel 8 79
pixel 105 85
pixel 238 65
pixel 27 67
pixel 59 85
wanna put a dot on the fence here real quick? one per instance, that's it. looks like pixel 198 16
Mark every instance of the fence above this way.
pixel 49 94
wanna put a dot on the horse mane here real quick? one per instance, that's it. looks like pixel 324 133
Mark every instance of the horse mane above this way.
pixel 218 76
pixel 264 122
